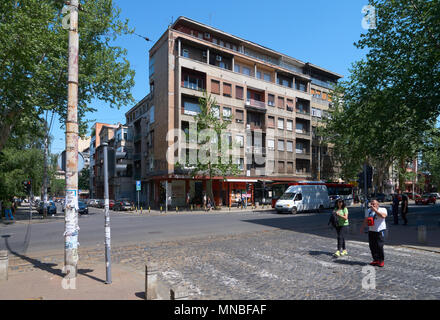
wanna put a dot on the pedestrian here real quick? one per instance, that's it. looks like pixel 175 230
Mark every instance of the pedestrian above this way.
pixel 375 219
pixel 396 207
pixel 204 201
pixel 341 212
pixel 188 200
pixel 404 208
pixel 8 209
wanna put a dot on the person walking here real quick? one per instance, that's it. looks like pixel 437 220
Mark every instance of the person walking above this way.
pixel 396 207
pixel 375 219
pixel 8 209
pixel 204 201
pixel 404 208
pixel 188 200
pixel 341 212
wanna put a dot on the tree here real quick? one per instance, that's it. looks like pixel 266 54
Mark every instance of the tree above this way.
pixel 214 153
pixel 391 100
pixel 34 57
pixel 84 179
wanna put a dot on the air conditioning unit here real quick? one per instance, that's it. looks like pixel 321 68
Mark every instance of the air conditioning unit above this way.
pixel 207 35
pixel 218 58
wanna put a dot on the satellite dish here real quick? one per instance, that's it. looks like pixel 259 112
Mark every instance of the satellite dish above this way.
pixel 62 161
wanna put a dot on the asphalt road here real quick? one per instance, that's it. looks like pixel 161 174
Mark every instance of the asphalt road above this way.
pixel 132 228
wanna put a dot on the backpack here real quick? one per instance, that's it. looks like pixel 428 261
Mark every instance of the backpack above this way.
pixel 333 220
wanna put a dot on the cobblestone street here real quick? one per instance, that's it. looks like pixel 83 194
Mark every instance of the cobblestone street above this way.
pixel 278 264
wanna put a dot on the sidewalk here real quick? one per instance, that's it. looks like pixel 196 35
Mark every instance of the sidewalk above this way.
pixel 22 215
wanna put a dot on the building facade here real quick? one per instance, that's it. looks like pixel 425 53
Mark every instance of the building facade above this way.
pixel 273 100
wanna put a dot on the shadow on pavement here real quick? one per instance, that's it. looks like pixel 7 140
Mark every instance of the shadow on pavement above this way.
pixel 48 267
pixel 317 224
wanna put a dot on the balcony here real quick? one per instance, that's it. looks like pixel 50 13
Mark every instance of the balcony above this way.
pixel 302 154
pixel 256 150
pixel 304 172
pixel 255 104
pixel 303 133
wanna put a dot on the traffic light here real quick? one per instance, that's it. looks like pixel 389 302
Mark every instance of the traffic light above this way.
pixel 27 186
pixel 361 175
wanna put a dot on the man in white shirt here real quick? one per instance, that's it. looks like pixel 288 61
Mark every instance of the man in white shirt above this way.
pixel 376 232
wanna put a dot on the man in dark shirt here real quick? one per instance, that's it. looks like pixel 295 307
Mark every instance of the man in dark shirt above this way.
pixel 404 208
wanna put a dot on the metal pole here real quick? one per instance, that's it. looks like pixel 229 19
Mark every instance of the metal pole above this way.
pixel 365 188
pixel 71 216
pixel 45 174
pixel 166 195
pixel 108 263
pixel 319 160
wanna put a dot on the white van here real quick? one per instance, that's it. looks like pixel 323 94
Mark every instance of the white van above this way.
pixel 300 198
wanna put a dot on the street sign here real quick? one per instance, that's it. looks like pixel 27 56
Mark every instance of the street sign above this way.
pixel 138 185
pixel 62 161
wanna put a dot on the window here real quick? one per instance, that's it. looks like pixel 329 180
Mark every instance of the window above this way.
pixel 237 68
pixel 289 146
pixel 280 123
pixel 239 140
pixel 240 163
pixel 281 102
pixel 215 86
pixel 316 113
pixel 239 116
pixel 200 35
pixel 191 108
pixel 267 77
pixel 271 100
pixel 227 89
pixel 192 82
pixel 185 53
pixel 324 96
pixel 299 127
pixel 227 112
pixel 238 92
pixel 271 121
pixel 289 125
pixel 270 144
pixel 246 71
pixel 216 111
pixel 234 47
pixel 280 145
pixel 259 74
pixel 151 66
pixel 301 86
pixel 289 167
pixel 222 43
pixel 281 166
pixel 152 114
pixel 299 147
pixel 214 40
pixel 289 105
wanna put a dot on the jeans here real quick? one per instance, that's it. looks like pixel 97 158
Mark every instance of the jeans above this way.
pixel 376 241
pixel 341 231
pixel 8 213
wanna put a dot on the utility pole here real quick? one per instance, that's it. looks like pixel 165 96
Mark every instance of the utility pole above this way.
pixel 45 172
pixel 108 267
pixel 71 210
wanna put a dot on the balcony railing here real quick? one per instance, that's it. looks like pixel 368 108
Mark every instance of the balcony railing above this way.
pixel 193 86
pixel 303 132
pixel 305 112
pixel 256 103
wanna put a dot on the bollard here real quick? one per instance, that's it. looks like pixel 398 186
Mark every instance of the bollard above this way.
pixel 149 209
pixel 146 282
pixel 160 209
pixel 141 210
pixel 422 234
pixel 177 209
pixel 171 294
pixel 4 264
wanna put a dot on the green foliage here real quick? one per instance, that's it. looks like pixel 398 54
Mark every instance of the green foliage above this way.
pixel 83 179
pixel 34 58
pixel 391 101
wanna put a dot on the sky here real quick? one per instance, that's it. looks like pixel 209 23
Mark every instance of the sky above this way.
pixel 321 32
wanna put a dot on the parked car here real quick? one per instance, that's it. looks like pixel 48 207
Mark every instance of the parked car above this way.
pixel 378 196
pixel 51 207
pixel 123 206
pixel 111 204
pixel 101 203
pixel 410 195
pixel 426 199
pixel 82 208
pixel 435 194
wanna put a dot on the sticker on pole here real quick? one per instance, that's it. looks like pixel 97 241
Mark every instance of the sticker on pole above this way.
pixel 138 185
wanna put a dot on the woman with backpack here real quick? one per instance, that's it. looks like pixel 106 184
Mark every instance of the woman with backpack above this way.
pixel 341 213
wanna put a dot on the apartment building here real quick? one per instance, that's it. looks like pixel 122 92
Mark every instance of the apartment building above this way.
pixel 274 102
